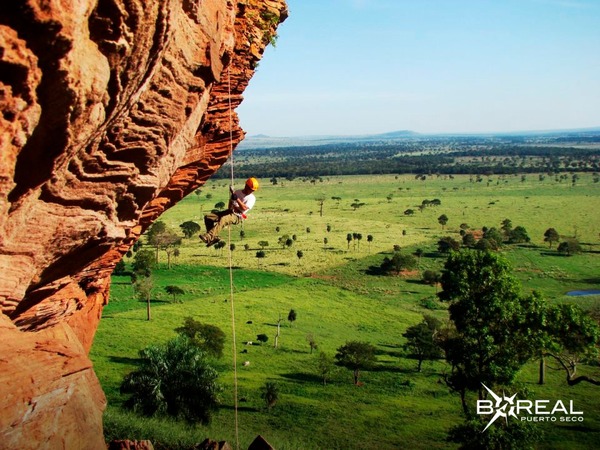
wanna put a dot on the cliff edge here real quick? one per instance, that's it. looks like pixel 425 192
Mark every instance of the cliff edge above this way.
pixel 112 112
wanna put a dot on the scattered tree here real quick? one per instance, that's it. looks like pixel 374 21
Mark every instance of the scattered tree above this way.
pixel 398 263
pixel 156 228
pixel 325 366
pixel 143 287
pixel 419 254
pixel 262 338
pixel 431 277
pixel 270 394
pixel 358 238
pixel 174 291
pixel 209 338
pixel 189 228
pixel 143 264
pixel 283 240
pixel 571 336
pixel 219 246
pixel 321 201
pixel 569 247
pixel 448 244
pixel 260 255
pixel 550 236
pixel 494 236
pixel 443 220
pixel 356 356
pixel 518 235
pixel 163 238
pixel 421 340
pixel 506 227
pixel 292 316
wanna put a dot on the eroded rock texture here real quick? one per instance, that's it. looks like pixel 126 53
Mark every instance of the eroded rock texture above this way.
pixel 112 112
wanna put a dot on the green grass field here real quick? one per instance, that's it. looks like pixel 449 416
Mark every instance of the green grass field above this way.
pixel 338 298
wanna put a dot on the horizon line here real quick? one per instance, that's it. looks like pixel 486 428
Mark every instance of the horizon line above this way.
pixel 436 133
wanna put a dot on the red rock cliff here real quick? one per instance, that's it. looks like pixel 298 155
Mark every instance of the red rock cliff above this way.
pixel 112 112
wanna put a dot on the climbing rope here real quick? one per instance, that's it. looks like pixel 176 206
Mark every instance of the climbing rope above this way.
pixel 231 288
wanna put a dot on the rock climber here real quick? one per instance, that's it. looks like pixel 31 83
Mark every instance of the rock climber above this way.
pixel 240 202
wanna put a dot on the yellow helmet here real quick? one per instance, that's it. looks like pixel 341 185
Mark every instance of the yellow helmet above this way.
pixel 252 183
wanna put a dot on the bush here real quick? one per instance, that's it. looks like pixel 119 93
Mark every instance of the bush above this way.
pixel 570 247
pixel 431 277
pixel 208 338
pixel 398 262
pixel 175 380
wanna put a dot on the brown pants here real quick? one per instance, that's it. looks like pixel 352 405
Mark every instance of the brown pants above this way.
pixel 215 222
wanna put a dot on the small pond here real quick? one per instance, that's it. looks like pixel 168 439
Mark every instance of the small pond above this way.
pixel 581 293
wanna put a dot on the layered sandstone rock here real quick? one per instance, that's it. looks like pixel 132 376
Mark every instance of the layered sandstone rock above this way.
pixel 112 112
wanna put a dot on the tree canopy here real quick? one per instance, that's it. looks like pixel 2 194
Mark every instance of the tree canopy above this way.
pixel 491 336
pixel 421 340
pixel 174 380
pixel 550 236
pixel 356 356
pixel 398 262
pixel 208 338
pixel 189 228
pixel 571 335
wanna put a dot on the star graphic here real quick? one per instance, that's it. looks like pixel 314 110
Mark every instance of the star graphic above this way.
pixel 501 410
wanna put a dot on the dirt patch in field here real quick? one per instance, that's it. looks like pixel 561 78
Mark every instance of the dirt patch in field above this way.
pixel 408 273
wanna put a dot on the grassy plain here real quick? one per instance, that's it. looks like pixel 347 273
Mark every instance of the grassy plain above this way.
pixel 338 298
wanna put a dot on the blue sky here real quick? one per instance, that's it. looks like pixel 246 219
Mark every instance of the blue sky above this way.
pixel 347 67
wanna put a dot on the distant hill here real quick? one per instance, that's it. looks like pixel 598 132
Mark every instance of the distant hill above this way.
pixel 264 141
pixel 398 134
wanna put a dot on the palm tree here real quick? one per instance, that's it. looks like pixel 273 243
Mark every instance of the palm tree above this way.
pixel 443 220
pixel 174 380
pixel 369 240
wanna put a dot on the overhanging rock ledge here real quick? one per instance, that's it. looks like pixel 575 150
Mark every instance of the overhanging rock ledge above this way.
pixel 112 112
